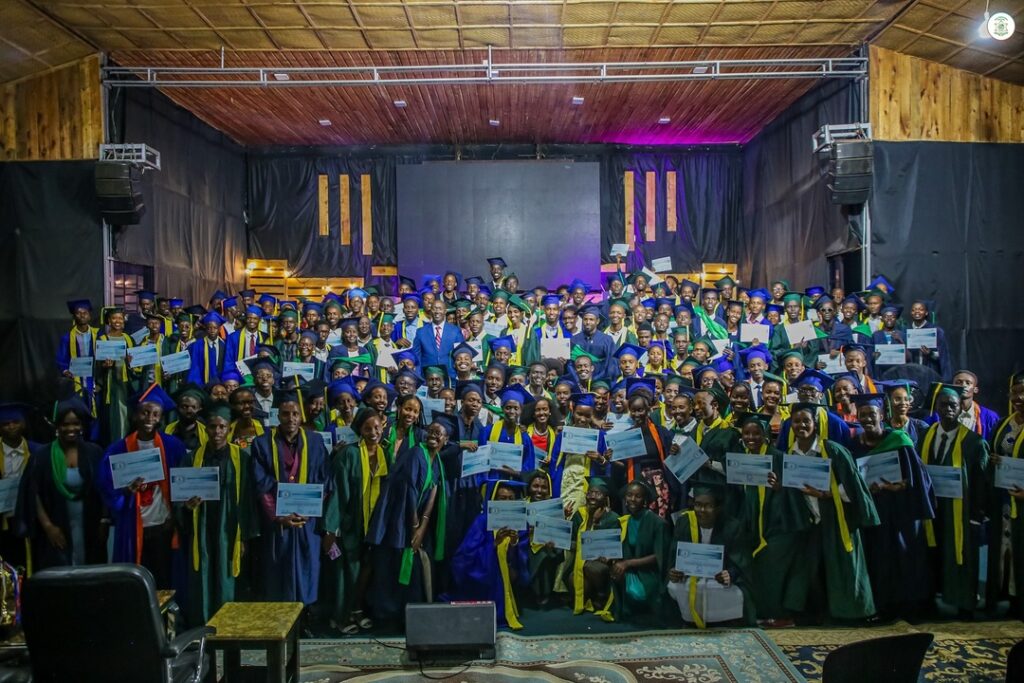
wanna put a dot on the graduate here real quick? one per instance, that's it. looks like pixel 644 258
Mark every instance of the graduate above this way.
pixel 494 565
pixel 839 515
pixel 955 534
pixel 244 426
pixel 290 545
pixel 79 342
pixel 357 473
pixel 187 428
pixel 596 343
pixel 896 549
pixel 973 415
pixel 638 579
pixel 208 354
pixel 507 430
pixel 570 471
pixel 590 581
pixel 214 533
pixel 544 560
pixel 144 530
pixel 1006 530
pixel 713 435
pixel 406 430
pixel 900 401
pixel 726 597
pixel 541 417
pixel 811 386
pixel 407 528
pixel 115 382
pixel 650 467
pixel 938 358
pixel 60 510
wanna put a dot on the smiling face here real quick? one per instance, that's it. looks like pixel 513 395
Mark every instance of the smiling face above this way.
pixel 753 436
pixel 803 424
pixel 540 489
pixel 635 498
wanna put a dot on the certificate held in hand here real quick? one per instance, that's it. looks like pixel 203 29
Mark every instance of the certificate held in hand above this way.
pixel 606 543
pixel 746 469
pixel 127 467
pixel 750 332
pixel 947 482
pixel 81 367
pixel 799 471
pixel 579 440
pixel 1010 473
pixel 625 445
pixel 922 336
pixel 557 349
pixel 195 482
pixel 687 461
pixel 508 455
pixel 305 500
pixel 800 332
pixel 553 530
pixel 176 362
pixel 891 354
pixel 880 468
pixel 111 349
pixel 506 514
pixel 700 559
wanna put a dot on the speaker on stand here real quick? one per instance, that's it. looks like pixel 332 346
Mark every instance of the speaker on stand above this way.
pixel 119 192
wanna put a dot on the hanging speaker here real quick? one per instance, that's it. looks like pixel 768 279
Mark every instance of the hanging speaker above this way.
pixel 850 168
pixel 119 192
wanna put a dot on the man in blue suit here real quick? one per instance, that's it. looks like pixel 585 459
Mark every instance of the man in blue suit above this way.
pixel 435 340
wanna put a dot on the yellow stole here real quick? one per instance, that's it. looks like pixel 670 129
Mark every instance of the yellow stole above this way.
pixel 837 501
pixel 701 428
pixel 157 370
pixel 124 362
pixel 303 455
pixel 1014 454
pixel 370 481
pixel 761 494
pixel 201 432
pixel 255 423
pixel 236 553
pixel 511 608
pixel 551 440
pixel 691 518
pixel 495 433
pixel 73 351
pixel 579 602
pixel 958 503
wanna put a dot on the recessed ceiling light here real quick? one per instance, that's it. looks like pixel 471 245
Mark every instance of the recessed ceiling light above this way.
pixel 282 77
pixel 400 104
pixel 325 122
pixel 494 122
pixel 700 69
pixel 663 120
pixel 577 101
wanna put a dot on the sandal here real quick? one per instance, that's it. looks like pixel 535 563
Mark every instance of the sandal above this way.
pixel 350 629
pixel 362 620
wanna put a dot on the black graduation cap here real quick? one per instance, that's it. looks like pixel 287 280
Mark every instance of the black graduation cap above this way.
pixel 445 420
pixel 13 410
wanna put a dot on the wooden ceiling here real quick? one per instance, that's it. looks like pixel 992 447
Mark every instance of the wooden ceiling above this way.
pixel 38 34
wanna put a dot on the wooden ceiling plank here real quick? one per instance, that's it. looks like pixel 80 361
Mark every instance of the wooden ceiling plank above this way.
pixel 256 17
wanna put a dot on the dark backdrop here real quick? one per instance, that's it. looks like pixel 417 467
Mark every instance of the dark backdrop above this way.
pixel 53 252
pixel 542 217
pixel 947 226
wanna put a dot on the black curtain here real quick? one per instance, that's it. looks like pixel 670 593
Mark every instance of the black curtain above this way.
pixel 284 213
pixel 946 225
pixel 53 238
pixel 708 195
pixel 193 232
pixel 789 222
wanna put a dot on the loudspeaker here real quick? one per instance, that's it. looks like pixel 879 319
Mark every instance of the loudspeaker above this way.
pixel 459 632
pixel 850 168
pixel 118 189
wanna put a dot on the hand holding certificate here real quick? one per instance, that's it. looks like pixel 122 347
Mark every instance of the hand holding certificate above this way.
pixel 143 356
pixel 751 332
pixel 947 482
pixel 557 532
pixel 176 362
pixel 579 440
pixel 603 543
pixel 922 336
pixel 881 468
pixel 195 482
pixel 145 464
pixel 506 455
pixel 890 354
pixel 1010 473
pixel 800 332
pixel 700 559
pixel 506 514
pixel 750 470
pixel 687 461
pixel 625 445
pixel 799 471
pixel 81 367
pixel 304 500
pixel 552 507
pixel 111 349
pixel 476 462
pixel 555 348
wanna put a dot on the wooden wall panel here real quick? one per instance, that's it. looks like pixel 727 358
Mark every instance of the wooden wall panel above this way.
pixel 916 99
pixel 55 115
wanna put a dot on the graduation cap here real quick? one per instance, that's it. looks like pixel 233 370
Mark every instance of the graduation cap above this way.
pixel 725 282
pixel 759 293
pixel 465 386
pixel 197 311
pixel 629 350
pixel 718 393
pixel 863 348
pixel 412 296
pixel 474 280
pixel 579 284
pixel 486 291
pixel 769 377
pixel 313 388
pixel 722 365
pixel 288 314
pixel 690 284
pixel 461 303
pixel 698 373
pixel 267 299
pixel 212 317
pixel 516 301
pixel 895 309
pixel 435 370
pixel 405 372
pixel 582 399
pixel 515 392
pixel 938 388
pixel 505 342
pixel 13 411
pixel 463 347
pixel 408 281
pixel 784 283
pixel 230 302
pixel 261 362
pixel 814 290
pixel 191 390
pixel 76 304
pixel 877 400
pixel 218 295
pixel 569 381
pixel 599 483
pixel 551 300
pixel 428 278
pixel 501 295
pixel 752 352
pixel 248 293
pixel 445 420
pixel 882 283
pixel 815 378
pixel 774 308
pixel 221 409
pixel 822 300
pixel 356 293
pixel 640 384
pixel 762 420
pixel 497 261
pixel 154 393
pixel 589 309
pixel 145 295
pixel 579 352
pixel 153 316
pixel 312 306
pixel 339 387
pixel 176 303
pixel 231 375
pixel 255 310
pixel 649 302
pixel 70 404
pixel 285 395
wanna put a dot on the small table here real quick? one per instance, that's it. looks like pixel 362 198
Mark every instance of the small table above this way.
pixel 273 626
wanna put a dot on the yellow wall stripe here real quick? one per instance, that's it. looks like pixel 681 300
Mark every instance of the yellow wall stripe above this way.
pixel 346 210
pixel 325 228
pixel 650 214
pixel 627 190
pixel 367 223
pixel 670 201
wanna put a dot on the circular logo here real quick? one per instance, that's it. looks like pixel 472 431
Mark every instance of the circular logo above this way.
pixel 1001 26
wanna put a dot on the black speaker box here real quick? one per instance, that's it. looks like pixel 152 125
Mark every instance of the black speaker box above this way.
pixel 458 632
pixel 850 169
pixel 119 192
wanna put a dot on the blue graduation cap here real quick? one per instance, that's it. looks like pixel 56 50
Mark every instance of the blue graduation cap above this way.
pixel 176 303
pixel 76 304
pixel 491 487
pixel 356 293
pixel 445 420
pixel 465 386
pixel 145 295
pixel 430 277
pixel 464 348
pixel 474 280
pixel 212 317
pixel 348 323
pixel 254 310
pixel 404 354
pixel 814 290
pixel 774 308
pixel 582 399
pixel 230 375
pixel 663 301
pixel 423 291
pixel 248 293
pixel 497 261
pixel 13 411
pixel 230 302
pixel 877 400
pixel 267 299
pixel 405 372
pixel 682 306
pixel 551 300
pixel 506 342
pixel 312 306
pixel 855 300
pixel 339 387
pixel 882 282
pixel 413 297
pixel 815 378
pixel 154 393
pixel 219 295
pixel 629 350
pixel 579 284
pixel 515 392
pixel 895 309
pixel 758 351
pixel 485 290
pixel 569 381
pixel 759 293
pixel 649 303
pixel 640 384
pixel 458 277
pixel 262 362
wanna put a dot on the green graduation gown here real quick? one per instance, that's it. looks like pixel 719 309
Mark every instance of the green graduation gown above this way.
pixel 642 591
pixel 1007 446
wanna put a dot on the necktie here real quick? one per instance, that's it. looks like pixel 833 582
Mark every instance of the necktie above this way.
pixel 252 344
pixel 941 451
pixel 437 336
pixel 757 396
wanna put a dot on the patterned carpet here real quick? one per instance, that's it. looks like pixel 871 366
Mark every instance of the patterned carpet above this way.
pixel 963 652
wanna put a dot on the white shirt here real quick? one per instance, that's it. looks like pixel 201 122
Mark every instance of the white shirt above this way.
pixel 705 535
pixel 812 502
pixel 265 402
pixel 967 419
pixel 84 343
pixel 157 512
pixel 950 438
pixel 14 460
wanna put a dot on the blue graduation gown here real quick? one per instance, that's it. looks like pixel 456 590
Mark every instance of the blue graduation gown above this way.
pixel 196 373
pixel 289 557
pixel 601 346
pixel 475 571
pixel 529 456
pixel 838 431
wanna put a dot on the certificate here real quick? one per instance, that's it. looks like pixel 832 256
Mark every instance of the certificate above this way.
pixel 922 336
pixel 626 444
pixel 243 367
pixel 506 514
pixel 305 500
pixel 606 543
pixel 947 482
pixel 478 462
pixel 812 315
pixel 579 439
pixel 875 468
pixel 328 440
pixel 555 348
pixel 477 346
pixel 386 360
pixel 176 362
pixel 345 435
pixel 195 482
pixel 9 493
pixel 1010 473
pixel 800 332
pixel 430 406
pixel 833 366
pixel 620 423
pixel 720 346
pixel 111 349
pixel 508 455
pixel 700 559
pixel 891 354
pixel 81 367
pixel 687 461
pixel 127 467
pixel 552 507
pixel 806 470
pixel 751 331
pixel 139 335
pixel 303 370
pixel 494 329
pixel 553 530
pixel 273 418
pixel 143 356
pixel 618 250
pixel 661 265
pixel 741 468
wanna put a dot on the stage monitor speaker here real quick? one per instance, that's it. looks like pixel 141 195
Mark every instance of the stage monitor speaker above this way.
pixel 119 192
pixel 457 633
pixel 851 165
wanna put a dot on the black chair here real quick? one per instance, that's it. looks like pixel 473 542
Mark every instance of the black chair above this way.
pixel 1015 664
pixel 893 659
pixel 102 624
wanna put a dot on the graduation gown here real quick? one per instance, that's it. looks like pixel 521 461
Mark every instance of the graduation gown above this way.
pixel 956 564
pixel 212 534
pixel 478 572
pixel 715 442
pixel 496 432
pixel 573 573
pixel 642 591
pixel 37 483
pixel 658 442
pixel 85 387
pixel 942 364
pixel 1005 446
pixel 896 549
pixel 568 471
pixel 114 385
pixel 465 501
pixel 208 361
pixel 289 557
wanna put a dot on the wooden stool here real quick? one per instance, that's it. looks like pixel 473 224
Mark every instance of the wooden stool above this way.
pixel 270 626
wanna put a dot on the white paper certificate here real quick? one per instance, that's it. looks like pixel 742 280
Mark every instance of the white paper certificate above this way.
pixel 306 500
pixel 618 250
pixel 947 482
pixel 127 467
pixel 800 332
pixel 143 356
pixel 195 482
pixel 662 265
pixel 476 462
pixel 345 435
pixel 700 559
pixel 923 336
pixel 625 445
pixel 8 493
pixel 552 507
pixel 508 455
pixel 606 543
pixel 553 530
pixel 506 514
pixel 875 468
pixel 1010 473
pixel 554 348
pixel 833 366
pixel 806 470
pixel 579 440
pixel 328 439
pixel 687 461
pixel 303 370
pixel 81 367
pixel 176 362
pixel 139 335
pixel 494 329
pixel 751 470
pixel 111 349
pixel 891 354
pixel 749 332
pixel 386 360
